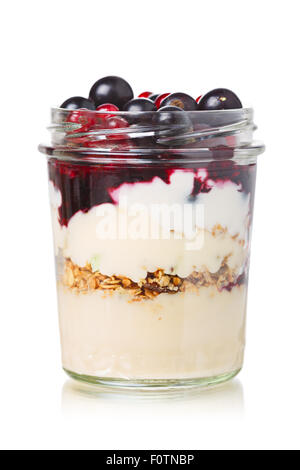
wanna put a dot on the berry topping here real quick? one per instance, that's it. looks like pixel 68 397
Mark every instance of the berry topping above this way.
pixel 181 100
pixel 111 89
pixel 160 98
pixel 139 104
pixel 145 94
pixel 220 98
pixel 77 102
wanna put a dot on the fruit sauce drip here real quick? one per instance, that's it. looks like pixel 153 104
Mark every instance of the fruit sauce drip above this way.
pixel 84 186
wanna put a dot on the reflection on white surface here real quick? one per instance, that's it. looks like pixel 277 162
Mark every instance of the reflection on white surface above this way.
pixel 223 400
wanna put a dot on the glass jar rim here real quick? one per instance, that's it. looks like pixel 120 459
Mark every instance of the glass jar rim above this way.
pixel 244 110
pixel 207 135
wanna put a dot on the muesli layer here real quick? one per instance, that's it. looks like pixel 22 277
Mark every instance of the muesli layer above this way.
pixel 84 279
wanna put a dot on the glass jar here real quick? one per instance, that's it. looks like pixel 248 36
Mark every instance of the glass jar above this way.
pixel 152 217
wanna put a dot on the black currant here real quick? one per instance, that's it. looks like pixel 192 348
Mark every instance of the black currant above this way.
pixel 181 100
pixel 220 98
pixel 153 96
pixel 77 102
pixel 171 120
pixel 165 109
pixel 114 90
pixel 139 104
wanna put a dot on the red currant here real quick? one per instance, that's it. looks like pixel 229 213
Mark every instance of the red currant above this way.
pixel 116 122
pixel 107 107
pixel 85 119
pixel 105 112
pixel 145 94
pixel 160 98
pixel 81 116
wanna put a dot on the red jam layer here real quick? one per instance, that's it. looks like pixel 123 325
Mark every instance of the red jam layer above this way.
pixel 84 186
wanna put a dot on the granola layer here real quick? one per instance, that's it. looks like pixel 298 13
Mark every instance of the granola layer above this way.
pixel 84 279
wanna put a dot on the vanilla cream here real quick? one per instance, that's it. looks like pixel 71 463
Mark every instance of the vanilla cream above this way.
pixel 187 335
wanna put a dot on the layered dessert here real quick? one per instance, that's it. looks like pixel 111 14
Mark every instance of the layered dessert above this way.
pixel 152 255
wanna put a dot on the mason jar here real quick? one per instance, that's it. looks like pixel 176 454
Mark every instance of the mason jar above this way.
pixel 152 217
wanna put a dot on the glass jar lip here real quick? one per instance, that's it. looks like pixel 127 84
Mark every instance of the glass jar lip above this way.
pixel 244 110
pixel 146 156
pixel 200 135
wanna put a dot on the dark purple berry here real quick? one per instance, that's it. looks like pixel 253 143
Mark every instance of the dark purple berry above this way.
pixel 181 100
pixel 165 109
pixel 114 90
pixel 153 96
pixel 220 98
pixel 171 120
pixel 139 104
pixel 77 102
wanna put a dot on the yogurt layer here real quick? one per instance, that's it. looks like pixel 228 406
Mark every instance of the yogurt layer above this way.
pixel 224 204
pixel 134 258
pixel 188 335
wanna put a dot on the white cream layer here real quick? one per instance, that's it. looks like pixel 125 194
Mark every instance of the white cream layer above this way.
pixel 87 239
pixel 224 204
pixel 187 335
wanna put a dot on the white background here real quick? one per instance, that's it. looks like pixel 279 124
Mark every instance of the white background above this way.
pixel 51 50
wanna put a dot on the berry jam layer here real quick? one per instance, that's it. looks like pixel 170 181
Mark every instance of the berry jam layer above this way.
pixel 85 186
